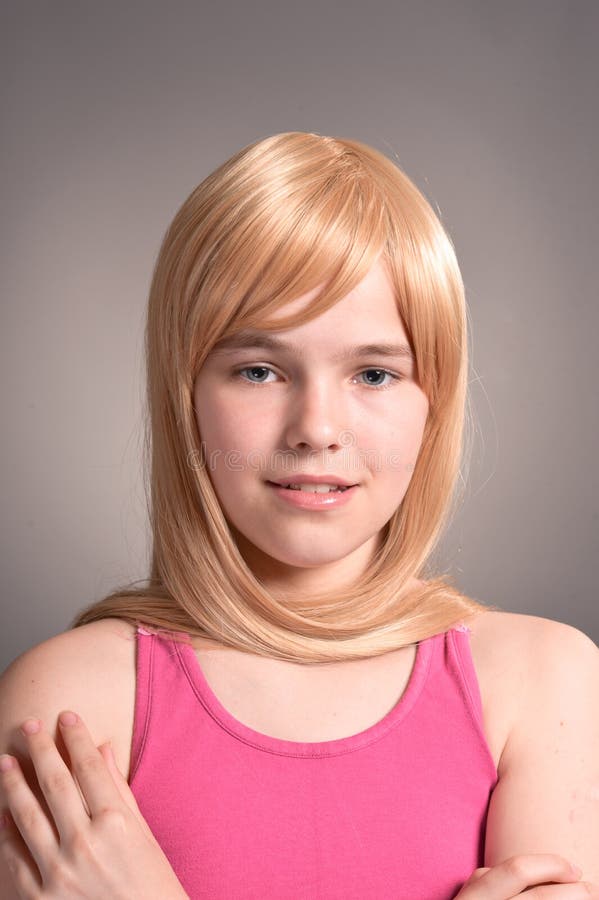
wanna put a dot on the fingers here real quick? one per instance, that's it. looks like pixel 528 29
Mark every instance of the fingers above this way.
pixel 119 780
pixel 123 786
pixel 95 780
pixel 16 866
pixel 28 816
pixel 513 876
pixel 55 780
pixel 66 803
pixel 30 838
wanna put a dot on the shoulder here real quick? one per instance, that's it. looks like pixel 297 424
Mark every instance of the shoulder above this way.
pixel 501 643
pixel 516 641
pixel 509 652
pixel 67 656
pixel 527 649
pixel 558 679
pixel 90 669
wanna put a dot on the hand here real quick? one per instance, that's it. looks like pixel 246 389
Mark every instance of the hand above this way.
pixel 514 876
pixel 96 843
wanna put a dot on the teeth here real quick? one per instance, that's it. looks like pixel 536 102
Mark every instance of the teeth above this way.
pixel 316 488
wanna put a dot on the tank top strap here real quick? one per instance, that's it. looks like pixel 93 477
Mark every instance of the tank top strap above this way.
pixel 158 682
pixel 459 659
pixel 144 664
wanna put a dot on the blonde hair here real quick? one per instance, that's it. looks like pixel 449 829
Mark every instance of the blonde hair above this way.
pixel 279 218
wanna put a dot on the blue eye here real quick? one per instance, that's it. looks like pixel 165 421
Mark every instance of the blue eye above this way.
pixel 254 369
pixel 264 370
pixel 382 372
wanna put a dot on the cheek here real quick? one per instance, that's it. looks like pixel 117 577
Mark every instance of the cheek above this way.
pixel 234 434
pixel 216 427
pixel 403 441
pixel 233 445
pixel 406 426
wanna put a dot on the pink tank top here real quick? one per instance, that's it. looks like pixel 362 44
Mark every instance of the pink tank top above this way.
pixel 396 811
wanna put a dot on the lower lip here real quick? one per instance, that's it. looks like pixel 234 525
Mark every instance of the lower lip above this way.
pixel 312 500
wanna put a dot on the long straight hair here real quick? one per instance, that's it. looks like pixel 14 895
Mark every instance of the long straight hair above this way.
pixel 281 217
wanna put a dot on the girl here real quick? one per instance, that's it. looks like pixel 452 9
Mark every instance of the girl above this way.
pixel 298 706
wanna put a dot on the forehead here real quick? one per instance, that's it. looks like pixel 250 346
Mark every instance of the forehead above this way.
pixel 364 320
pixel 254 339
pixel 372 297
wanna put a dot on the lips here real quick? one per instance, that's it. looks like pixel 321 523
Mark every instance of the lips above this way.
pixel 315 488
pixel 331 480
pixel 311 499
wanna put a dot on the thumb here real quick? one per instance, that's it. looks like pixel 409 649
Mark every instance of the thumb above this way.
pixel 474 877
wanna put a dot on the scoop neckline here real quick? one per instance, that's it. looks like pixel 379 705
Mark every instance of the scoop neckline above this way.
pixel 199 683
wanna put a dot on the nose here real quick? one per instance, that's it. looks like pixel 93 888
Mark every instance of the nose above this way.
pixel 316 417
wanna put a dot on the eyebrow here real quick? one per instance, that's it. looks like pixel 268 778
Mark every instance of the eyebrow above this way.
pixel 251 340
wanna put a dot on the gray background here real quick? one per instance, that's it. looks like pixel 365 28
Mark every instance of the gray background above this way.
pixel 113 113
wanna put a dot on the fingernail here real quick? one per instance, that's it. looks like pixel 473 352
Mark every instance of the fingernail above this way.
pixel 6 763
pixel 31 726
pixel 68 718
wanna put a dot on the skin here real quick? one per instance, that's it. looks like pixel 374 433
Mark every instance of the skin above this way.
pixel 330 418
pixel 95 843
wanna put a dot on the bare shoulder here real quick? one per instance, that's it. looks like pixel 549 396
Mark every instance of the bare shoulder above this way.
pixel 559 670
pixel 500 638
pixel 89 669
pixel 511 644
pixel 510 651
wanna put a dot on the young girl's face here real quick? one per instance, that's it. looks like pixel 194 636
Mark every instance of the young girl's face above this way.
pixel 316 405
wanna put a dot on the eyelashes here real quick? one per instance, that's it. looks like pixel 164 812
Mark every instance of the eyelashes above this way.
pixel 238 374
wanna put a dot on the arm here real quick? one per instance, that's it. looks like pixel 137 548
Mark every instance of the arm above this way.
pixel 97 839
pixel 547 798
pixel 31 686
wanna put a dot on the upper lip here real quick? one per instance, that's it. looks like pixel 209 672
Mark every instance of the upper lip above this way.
pixel 298 478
